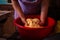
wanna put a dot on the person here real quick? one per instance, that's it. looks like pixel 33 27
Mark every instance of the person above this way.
pixel 35 7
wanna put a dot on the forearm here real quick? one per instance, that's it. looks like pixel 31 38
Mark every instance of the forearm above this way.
pixel 44 13
pixel 44 10
pixel 17 8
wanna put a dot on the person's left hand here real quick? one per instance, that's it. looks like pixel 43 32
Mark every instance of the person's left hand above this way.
pixel 43 22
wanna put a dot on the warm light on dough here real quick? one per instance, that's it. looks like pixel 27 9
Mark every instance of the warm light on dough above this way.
pixel 32 23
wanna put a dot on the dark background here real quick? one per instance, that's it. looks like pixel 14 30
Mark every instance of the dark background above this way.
pixel 54 9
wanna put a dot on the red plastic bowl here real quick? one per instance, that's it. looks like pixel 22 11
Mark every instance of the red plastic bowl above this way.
pixel 34 32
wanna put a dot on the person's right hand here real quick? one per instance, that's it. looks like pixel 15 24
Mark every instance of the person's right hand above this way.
pixel 23 20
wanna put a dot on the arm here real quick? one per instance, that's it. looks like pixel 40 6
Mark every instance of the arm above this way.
pixel 44 10
pixel 17 8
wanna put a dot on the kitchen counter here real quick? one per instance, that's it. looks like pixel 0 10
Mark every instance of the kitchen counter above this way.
pixel 6 17
pixel 4 14
pixel 5 10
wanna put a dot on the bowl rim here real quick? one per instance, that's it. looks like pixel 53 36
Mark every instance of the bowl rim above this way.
pixel 48 26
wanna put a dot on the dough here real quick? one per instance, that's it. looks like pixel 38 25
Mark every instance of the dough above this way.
pixel 32 23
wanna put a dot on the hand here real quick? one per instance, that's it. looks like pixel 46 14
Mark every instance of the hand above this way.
pixel 23 20
pixel 43 22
